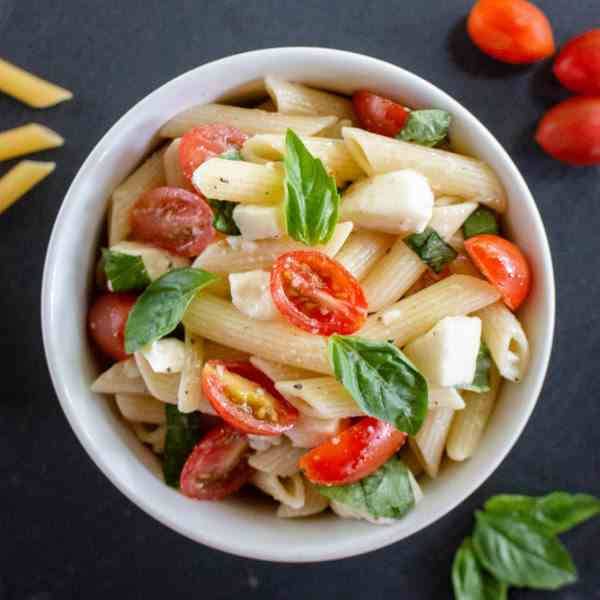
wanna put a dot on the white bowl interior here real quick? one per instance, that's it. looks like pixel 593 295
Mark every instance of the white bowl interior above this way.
pixel 234 525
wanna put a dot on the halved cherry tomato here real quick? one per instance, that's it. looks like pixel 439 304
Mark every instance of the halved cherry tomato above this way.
pixel 246 398
pixel 317 294
pixel 577 66
pixel 513 31
pixel 217 466
pixel 107 318
pixel 174 219
pixel 201 143
pixel 378 114
pixel 503 264
pixel 570 131
pixel 353 454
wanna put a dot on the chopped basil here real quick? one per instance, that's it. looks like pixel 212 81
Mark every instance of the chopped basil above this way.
pixel 124 272
pixel 311 204
pixel 481 381
pixel 223 216
pixel 183 432
pixel 382 381
pixel 161 306
pixel 483 220
pixel 426 127
pixel 431 248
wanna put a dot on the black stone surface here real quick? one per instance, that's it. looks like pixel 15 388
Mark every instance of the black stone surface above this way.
pixel 65 531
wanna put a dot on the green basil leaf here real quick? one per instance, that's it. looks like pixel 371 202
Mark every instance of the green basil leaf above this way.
pixel 431 248
pixel 183 432
pixel 426 127
pixel 382 381
pixel 161 306
pixel 124 272
pixel 555 513
pixel 481 381
pixel 312 202
pixel 481 221
pixel 517 551
pixel 387 493
pixel 470 581
pixel 223 216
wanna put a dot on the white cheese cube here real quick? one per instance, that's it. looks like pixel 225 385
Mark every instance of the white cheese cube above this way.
pixel 259 222
pixel 165 356
pixel 156 261
pixel 447 354
pixel 251 295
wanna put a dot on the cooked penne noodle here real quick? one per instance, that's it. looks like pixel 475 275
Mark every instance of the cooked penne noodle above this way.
pixel 287 490
pixel 429 443
pixel 249 120
pixel 309 432
pixel 20 179
pixel 163 386
pixel 314 503
pixel 278 371
pixel 281 460
pixel 214 351
pixel 172 166
pixel 362 250
pixel 28 139
pixel 155 437
pixel 121 378
pixel 335 131
pixel 448 173
pixel 447 220
pixel 141 409
pixel 446 397
pixel 267 105
pixel 189 394
pixel 156 261
pixel 409 458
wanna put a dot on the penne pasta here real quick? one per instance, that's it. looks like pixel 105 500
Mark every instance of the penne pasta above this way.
pixel 163 386
pixel 20 179
pixel 140 408
pixel 429 443
pixel 335 131
pixel 214 351
pixel 309 432
pixel 173 173
pixel 28 139
pixel 156 261
pixel 287 490
pixel 314 503
pixel 362 251
pixel 445 397
pixel 281 460
pixel 155 436
pixel 447 220
pixel 267 105
pixel 189 394
pixel 121 378
pixel 278 371
pixel 410 460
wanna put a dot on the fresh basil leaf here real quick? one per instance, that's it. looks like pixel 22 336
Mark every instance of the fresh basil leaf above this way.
pixel 470 581
pixel 431 248
pixel 481 221
pixel 382 381
pixel 426 127
pixel 481 381
pixel 161 306
pixel 311 204
pixel 231 154
pixel 387 493
pixel 555 513
pixel 124 272
pixel 183 432
pixel 517 551
pixel 223 216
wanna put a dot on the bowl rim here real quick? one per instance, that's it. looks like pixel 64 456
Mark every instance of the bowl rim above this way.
pixel 231 545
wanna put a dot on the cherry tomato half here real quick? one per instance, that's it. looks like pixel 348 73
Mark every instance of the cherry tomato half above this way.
pixel 378 114
pixel 107 318
pixel 353 454
pixel 174 219
pixel 217 466
pixel 513 31
pixel 246 398
pixel 570 131
pixel 201 143
pixel 577 66
pixel 317 294
pixel 503 264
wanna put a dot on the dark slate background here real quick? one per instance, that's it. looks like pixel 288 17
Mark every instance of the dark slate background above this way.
pixel 65 531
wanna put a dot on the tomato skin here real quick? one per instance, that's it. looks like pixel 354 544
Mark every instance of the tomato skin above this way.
pixel 174 219
pixel 242 418
pixel 207 141
pixel 353 454
pixel 217 466
pixel 107 318
pixel 378 114
pixel 570 131
pixel 503 264
pixel 577 66
pixel 512 31
pixel 317 294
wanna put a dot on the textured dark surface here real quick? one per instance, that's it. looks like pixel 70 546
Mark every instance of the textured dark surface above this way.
pixel 65 531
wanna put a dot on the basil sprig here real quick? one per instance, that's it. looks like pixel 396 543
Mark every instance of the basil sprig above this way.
pixel 426 127
pixel 481 380
pixel 312 201
pixel 183 432
pixel 161 306
pixel 481 221
pixel 382 381
pixel 431 249
pixel 124 272
pixel 223 216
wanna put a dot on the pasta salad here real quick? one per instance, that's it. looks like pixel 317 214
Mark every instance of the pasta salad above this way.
pixel 312 297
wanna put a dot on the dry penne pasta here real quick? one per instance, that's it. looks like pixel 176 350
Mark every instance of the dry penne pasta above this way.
pixel 20 179
pixel 362 250
pixel 429 443
pixel 28 139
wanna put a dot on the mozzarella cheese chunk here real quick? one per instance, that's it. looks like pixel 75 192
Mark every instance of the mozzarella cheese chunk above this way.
pixel 156 261
pixel 399 202
pixel 447 354
pixel 259 222
pixel 165 356
pixel 251 295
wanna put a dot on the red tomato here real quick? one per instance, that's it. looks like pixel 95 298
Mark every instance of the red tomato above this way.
pixel 317 294
pixel 503 264
pixel 353 454
pixel 217 466
pixel 570 131
pixel 378 114
pixel 577 66
pixel 246 398
pixel 174 219
pixel 201 143
pixel 107 319
pixel 513 31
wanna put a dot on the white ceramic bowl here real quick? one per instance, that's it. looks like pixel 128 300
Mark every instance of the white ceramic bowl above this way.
pixel 234 525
